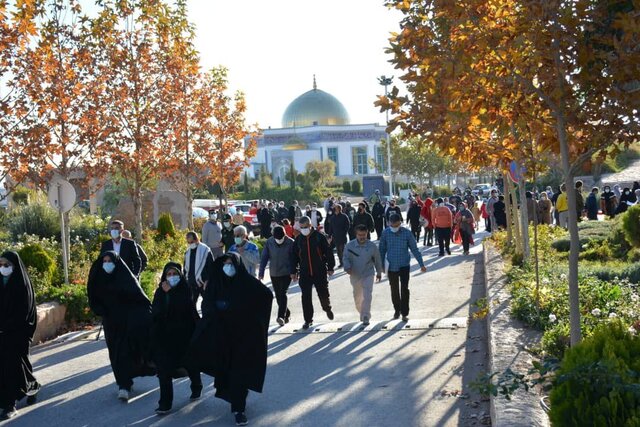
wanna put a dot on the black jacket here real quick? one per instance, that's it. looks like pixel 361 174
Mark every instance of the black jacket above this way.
pixel 174 321
pixel 377 212
pixel 128 253
pixel 340 225
pixel 230 342
pixel 363 219
pixel 228 237
pixel 413 215
pixel 390 211
pixel 312 255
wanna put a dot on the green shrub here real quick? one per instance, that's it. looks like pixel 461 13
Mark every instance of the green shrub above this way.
pixel 356 187
pixel 597 251
pixel 33 255
pixel 165 226
pixel 21 196
pixel 86 227
pixel 149 282
pixel 597 383
pixel 346 186
pixel 161 252
pixel 74 297
pixel 37 218
pixel 631 225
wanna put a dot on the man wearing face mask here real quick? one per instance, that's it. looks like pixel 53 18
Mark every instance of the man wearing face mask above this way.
pixel 362 217
pixel 391 209
pixel 212 235
pixel 340 225
pixel 443 221
pixel 395 244
pixel 125 248
pixel 197 261
pixel 248 251
pixel 227 232
pixel 277 253
pixel 283 212
pixel 361 261
pixel 312 261
pixel 608 202
pixel 295 213
pixel 315 216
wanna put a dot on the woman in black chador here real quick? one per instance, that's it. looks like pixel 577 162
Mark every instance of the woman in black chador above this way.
pixel 230 342
pixel 17 324
pixel 174 320
pixel 115 295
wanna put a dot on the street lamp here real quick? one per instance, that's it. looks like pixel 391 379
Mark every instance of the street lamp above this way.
pixel 386 81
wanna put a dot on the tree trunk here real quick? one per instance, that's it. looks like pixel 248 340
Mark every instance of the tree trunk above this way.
pixel 137 208
pixel 505 180
pixel 524 215
pixel 513 220
pixel 574 251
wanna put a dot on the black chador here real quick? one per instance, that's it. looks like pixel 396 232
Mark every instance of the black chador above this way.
pixel 174 321
pixel 115 295
pixel 18 318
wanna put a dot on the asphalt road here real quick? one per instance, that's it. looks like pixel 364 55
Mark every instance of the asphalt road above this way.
pixel 336 374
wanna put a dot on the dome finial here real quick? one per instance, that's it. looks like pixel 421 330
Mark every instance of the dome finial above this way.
pixel 315 86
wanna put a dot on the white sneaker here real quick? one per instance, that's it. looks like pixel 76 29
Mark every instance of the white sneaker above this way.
pixel 123 395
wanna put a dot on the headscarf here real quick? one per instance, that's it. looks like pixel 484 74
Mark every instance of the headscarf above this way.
pixel 19 304
pixel 173 266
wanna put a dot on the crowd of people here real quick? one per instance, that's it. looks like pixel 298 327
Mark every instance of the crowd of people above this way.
pixel 167 337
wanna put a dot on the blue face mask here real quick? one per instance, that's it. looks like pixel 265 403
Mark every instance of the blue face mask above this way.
pixel 173 281
pixel 109 267
pixel 229 270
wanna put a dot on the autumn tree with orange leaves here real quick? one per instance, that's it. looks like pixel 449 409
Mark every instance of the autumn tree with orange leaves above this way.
pixel 493 76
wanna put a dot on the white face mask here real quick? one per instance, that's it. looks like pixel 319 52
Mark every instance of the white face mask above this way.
pixel 109 267
pixel 193 245
pixel 115 234
pixel 6 271
pixel 305 231
pixel 227 224
pixel 212 217
pixel 280 241
pixel 229 270
pixel 395 229
pixel 173 281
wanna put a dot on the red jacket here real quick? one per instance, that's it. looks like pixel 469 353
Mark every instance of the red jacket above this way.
pixel 426 211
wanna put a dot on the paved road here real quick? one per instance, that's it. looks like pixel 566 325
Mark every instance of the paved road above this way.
pixel 333 375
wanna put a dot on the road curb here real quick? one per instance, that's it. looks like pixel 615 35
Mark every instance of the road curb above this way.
pixel 507 340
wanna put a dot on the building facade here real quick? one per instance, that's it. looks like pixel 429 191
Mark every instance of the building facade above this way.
pixel 316 126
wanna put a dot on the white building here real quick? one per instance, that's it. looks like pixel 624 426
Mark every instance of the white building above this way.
pixel 316 126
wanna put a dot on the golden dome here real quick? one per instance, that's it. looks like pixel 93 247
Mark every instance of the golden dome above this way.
pixel 315 107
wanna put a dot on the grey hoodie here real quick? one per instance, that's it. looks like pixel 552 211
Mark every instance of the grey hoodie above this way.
pixel 278 257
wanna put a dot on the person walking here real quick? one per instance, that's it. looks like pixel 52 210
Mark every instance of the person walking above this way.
pixel 18 319
pixel 295 213
pixel 315 216
pixel 592 204
pixel 562 207
pixel 277 253
pixel 395 244
pixel 466 227
pixel 227 232
pixel 230 342
pixel 248 251
pixel 197 260
pixel 265 217
pixel 500 213
pixel 174 321
pixel 362 217
pixel 312 262
pixel 413 219
pixel 442 221
pixel 144 259
pixel 212 235
pixel 125 248
pixel 579 200
pixel 532 207
pixel 377 213
pixel 425 213
pixel 492 218
pixel 361 262
pixel 115 295
pixel 392 208
pixel 339 233
pixel 544 209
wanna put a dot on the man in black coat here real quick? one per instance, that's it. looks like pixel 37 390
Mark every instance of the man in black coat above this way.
pixel 265 216
pixel 144 259
pixel 294 212
pixel 413 219
pixel 340 226
pixel 378 217
pixel 391 209
pixel 125 248
pixel 362 217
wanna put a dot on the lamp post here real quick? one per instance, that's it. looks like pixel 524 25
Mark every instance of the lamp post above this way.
pixel 386 81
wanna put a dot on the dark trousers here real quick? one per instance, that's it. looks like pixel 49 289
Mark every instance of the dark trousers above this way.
pixel 196 291
pixel 428 237
pixel 466 240
pixel 322 289
pixel 379 227
pixel 166 387
pixel 280 287
pixel 238 399
pixel 399 282
pixel 340 249
pixel 487 224
pixel 444 239
pixel 416 232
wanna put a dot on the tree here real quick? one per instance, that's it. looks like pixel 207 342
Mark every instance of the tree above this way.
pixel 321 171
pixel 494 81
